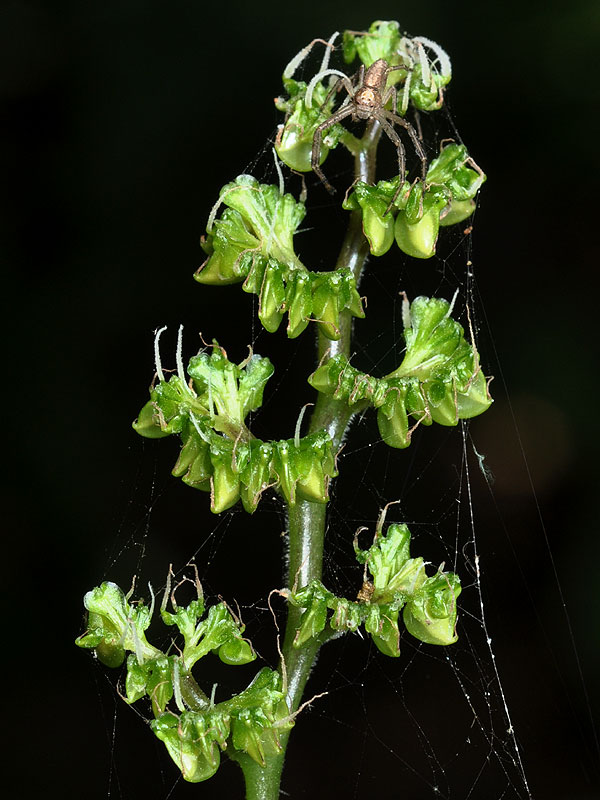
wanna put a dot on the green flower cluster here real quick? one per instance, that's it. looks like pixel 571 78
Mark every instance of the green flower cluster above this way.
pixel 439 379
pixel 219 454
pixel 422 81
pixel 251 722
pixel 419 84
pixel 398 582
pixel 253 241
pixel 196 730
pixel 304 295
pixel 447 198
pixel 295 137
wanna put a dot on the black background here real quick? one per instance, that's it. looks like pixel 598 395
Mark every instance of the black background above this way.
pixel 120 122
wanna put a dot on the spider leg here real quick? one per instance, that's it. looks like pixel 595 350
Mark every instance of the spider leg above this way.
pixel 316 145
pixel 394 118
pixel 391 92
pixel 336 87
pixel 396 140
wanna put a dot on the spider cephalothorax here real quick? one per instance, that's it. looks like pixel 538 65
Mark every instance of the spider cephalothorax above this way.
pixel 368 100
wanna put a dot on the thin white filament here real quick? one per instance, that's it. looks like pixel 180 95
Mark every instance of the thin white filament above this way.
pixel 199 430
pixel 406 92
pixel 177 687
pixel 452 302
pixel 279 173
pixel 137 645
pixel 406 318
pixel 329 50
pixel 153 598
pixel 178 356
pixel 213 213
pixel 158 365
pixel 301 55
pixel 425 73
pixel 319 77
pixel 299 424
pixel 442 55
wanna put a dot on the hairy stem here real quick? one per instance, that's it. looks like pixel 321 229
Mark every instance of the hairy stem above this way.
pixel 307 521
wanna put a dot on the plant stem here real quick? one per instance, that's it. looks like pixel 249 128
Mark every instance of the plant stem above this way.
pixel 306 521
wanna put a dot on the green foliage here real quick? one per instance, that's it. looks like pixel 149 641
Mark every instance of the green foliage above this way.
pixel 257 219
pixel 219 454
pixel 115 626
pixel 446 199
pixel 250 722
pixel 295 137
pixel 439 379
pixel 253 242
pixel 398 582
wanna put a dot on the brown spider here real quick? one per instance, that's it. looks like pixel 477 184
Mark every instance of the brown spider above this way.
pixel 367 101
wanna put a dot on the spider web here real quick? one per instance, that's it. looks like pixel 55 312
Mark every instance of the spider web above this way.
pixel 435 723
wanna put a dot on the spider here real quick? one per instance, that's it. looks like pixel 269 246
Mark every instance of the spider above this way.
pixel 367 101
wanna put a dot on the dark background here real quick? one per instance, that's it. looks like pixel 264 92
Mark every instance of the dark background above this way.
pixel 120 122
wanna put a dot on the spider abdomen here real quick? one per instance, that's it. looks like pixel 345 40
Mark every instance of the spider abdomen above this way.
pixel 376 75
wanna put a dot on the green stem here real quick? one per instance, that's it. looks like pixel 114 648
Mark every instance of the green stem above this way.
pixel 306 521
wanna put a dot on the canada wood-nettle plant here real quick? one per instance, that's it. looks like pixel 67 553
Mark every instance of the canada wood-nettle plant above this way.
pixel 250 240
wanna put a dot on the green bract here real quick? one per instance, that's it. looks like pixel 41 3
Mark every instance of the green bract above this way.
pixel 306 296
pixel 259 220
pixel 251 722
pixel 218 454
pixel 422 81
pixel 448 199
pixel 115 626
pixel 250 240
pixel 439 379
pixel 221 394
pixel 398 581
pixel 383 40
pixel 219 632
pixel 295 137
pixel 253 242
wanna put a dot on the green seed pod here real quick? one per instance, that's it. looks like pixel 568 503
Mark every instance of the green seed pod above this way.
pixel 295 138
pixel 476 399
pixel 420 238
pixel 346 616
pixel 272 296
pixel 147 424
pixel 349 298
pixel 225 245
pixel 284 469
pixel 189 742
pixel 313 621
pixel 256 274
pixel 430 615
pixel 326 306
pixel 236 651
pixel 315 465
pixel 298 303
pixel 457 211
pixel 441 402
pixel 225 482
pixel 382 623
pixel 255 472
pixel 194 464
pixel 392 419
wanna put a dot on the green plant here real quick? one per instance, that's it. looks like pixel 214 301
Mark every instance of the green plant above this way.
pixel 438 380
